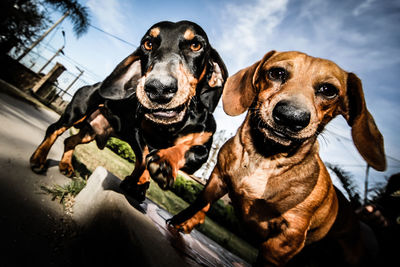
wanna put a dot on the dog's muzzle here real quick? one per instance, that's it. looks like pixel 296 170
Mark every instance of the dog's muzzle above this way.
pixel 291 116
pixel 285 124
pixel 161 94
pixel 165 91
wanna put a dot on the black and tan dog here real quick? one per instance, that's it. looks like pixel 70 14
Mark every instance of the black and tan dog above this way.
pixel 271 169
pixel 159 99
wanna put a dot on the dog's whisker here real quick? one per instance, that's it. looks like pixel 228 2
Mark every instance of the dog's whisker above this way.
pixel 322 137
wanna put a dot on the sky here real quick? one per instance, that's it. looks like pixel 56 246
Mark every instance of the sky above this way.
pixel 361 36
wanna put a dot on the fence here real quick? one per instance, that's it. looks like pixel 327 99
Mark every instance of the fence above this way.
pixel 66 84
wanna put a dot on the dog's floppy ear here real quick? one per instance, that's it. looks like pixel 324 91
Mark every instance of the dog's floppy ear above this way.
pixel 240 90
pixel 122 82
pixel 365 133
pixel 216 78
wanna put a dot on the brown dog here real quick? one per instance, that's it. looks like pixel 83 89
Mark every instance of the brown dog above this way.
pixel 271 169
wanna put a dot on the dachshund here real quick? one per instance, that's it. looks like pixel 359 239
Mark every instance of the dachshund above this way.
pixel 271 168
pixel 159 99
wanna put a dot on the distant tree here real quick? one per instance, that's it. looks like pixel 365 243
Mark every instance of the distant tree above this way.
pixel 79 15
pixel 23 21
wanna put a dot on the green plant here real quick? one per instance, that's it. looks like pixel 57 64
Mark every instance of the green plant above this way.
pixel 188 190
pixel 66 193
pixel 121 148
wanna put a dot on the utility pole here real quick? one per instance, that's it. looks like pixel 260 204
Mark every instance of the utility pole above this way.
pixel 42 37
pixel 366 185
pixel 48 61
pixel 70 85
pixel 56 54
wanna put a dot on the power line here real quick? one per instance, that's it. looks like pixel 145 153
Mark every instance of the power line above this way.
pixel 350 140
pixel 339 135
pixel 71 60
pixel 98 77
pixel 114 36
pixel 80 65
pixel 348 151
pixel 392 158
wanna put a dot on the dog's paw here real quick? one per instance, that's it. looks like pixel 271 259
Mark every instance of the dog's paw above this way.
pixel 277 225
pixel 161 169
pixel 172 221
pixel 38 165
pixel 137 191
pixel 66 169
pixel 187 226
pixel 38 168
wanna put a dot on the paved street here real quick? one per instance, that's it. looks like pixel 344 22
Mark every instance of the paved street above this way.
pixel 31 225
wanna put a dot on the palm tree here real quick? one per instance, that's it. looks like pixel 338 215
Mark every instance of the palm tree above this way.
pixel 21 21
pixel 78 14
pixel 20 24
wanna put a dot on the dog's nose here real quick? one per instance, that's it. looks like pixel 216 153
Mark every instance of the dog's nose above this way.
pixel 159 92
pixel 291 115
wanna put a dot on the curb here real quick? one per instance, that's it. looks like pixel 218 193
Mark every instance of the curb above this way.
pixel 112 224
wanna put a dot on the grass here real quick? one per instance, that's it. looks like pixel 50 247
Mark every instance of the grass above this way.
pixel 66 193
pixel 60 192
pixel 87 157
pixel 92 157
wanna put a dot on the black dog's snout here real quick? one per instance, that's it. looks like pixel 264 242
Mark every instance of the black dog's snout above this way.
pixel 291 115
pixel 159 92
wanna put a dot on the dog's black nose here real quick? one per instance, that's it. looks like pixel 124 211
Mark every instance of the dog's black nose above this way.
pixel 291 115
pixel 159 92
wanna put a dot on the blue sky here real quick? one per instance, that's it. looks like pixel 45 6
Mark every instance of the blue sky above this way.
pixel 361 36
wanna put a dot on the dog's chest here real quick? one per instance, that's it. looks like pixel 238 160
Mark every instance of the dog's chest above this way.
pixel 251 179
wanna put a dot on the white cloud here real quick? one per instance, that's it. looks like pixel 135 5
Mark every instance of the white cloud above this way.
pixel 247 27
pixel 110 17
pixel 349 33
pixel 363 7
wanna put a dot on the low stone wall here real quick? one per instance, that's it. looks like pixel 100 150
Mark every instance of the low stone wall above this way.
pixel 17 74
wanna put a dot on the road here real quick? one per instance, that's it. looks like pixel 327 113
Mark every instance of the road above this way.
pixel 34 230
pixel 31 224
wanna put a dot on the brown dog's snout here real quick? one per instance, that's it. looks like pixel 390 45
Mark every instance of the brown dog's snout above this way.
pixel 161 93
pixel 291 115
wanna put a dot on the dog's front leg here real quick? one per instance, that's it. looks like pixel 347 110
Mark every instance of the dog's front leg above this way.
pixel 137 183
pixel 164 164
pixel 286 240
pixel 195 214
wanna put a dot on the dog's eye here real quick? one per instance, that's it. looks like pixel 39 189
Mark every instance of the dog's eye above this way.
pixel 148 45
pixel 195 46
pixel 327 90
pixel 278 74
